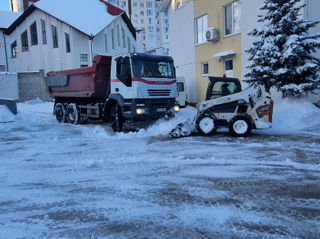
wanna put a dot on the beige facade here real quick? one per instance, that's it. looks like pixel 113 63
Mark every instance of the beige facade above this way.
pixel 222 54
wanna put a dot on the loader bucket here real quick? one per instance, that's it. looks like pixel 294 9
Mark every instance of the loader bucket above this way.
pixel 183 129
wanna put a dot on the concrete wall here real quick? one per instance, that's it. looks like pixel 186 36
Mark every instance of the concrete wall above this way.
pixel 181 46
pixel 9 86
pixel 31 86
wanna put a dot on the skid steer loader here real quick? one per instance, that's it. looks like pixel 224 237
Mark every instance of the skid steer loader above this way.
pixel 226 105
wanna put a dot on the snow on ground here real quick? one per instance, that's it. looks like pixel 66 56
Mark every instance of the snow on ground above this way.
pixel 5 114
pixel 84 181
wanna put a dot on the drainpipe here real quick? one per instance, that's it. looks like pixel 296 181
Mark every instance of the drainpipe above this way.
pixel 91 47
pixel 5 52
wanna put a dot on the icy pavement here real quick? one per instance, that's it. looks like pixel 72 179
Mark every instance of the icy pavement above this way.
pixel 83 181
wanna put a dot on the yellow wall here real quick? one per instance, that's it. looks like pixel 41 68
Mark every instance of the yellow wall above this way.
pixel 204 52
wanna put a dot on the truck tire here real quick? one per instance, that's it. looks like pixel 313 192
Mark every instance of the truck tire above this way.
pixel 60 113
pixel 240 126
pixel 72 113
pixel 206 124
pixel 116 118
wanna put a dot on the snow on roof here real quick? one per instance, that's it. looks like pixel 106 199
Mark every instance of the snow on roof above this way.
pixel 224 53
pixel 88 16
pixel 7 18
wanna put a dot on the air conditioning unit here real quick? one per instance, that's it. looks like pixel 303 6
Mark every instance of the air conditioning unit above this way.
pixel 212 34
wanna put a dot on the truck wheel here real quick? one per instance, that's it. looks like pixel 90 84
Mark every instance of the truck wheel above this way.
pixel 72 113
pixel 240 126
pixel 206 124
pixel 60 112
pixel 116 118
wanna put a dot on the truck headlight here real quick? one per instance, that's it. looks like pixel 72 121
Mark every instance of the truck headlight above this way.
pixel 140 111
pixel 176 108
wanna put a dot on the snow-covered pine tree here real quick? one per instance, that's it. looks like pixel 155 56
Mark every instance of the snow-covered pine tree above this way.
pixel 283 52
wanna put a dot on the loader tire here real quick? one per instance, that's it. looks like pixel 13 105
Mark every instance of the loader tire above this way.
pixel 116 118
pixel 206 124
pixel 240 126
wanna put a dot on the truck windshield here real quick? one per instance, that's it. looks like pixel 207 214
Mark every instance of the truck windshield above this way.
pixel 155 69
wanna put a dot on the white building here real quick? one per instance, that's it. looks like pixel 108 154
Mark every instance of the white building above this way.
pixel 181 45
pixel 57 35
pixel 152 26
pixel 6 18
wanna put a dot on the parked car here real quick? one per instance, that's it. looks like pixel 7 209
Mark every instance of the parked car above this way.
pixel 182 98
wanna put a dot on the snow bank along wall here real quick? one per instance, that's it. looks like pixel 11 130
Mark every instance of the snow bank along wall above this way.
pixel 32 85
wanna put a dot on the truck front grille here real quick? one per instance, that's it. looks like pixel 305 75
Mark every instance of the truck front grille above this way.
pixel 159 92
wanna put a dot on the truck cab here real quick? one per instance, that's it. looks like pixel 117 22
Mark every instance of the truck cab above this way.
pixel 144 86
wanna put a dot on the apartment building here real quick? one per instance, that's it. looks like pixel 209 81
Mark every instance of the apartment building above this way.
pixel 208 41
pixel 211 36
pixel 182 41
pixel 20 5
pixel 152 26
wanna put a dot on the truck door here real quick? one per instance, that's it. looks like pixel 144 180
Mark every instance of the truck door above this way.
pixel 124 71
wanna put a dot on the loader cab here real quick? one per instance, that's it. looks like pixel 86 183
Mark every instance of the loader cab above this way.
pixel 222 86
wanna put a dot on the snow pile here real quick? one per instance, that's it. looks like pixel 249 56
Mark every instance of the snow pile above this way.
pixel 162 127
pixel 5 114
pixel 295 114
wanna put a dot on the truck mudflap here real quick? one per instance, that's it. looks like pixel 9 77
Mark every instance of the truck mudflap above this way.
pixel 146 109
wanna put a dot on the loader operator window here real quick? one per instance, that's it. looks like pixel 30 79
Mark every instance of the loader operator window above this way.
pixel 223 88
pixel 153 69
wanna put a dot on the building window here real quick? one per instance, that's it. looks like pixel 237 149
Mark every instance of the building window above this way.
pixel 34 34
pixel 228 64
pixel 118 35
pixel 83 57
pixel 54 36
pixel 44 32
pixel 141 13
pixel 67 37
pixel 112 39
pixel 123 38
pixel 14 50
pixel 232 15
pixel 24 41
pixel 228 67
pixel 149 4
pixel 204 68
pixel 141 4
pixel 150 28
pixel 106 42
pixel 179 3
pixel 201 26
pixel 135 4
pixel 149 12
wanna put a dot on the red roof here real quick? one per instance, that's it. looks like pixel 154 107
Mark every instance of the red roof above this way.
pixel 111 9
